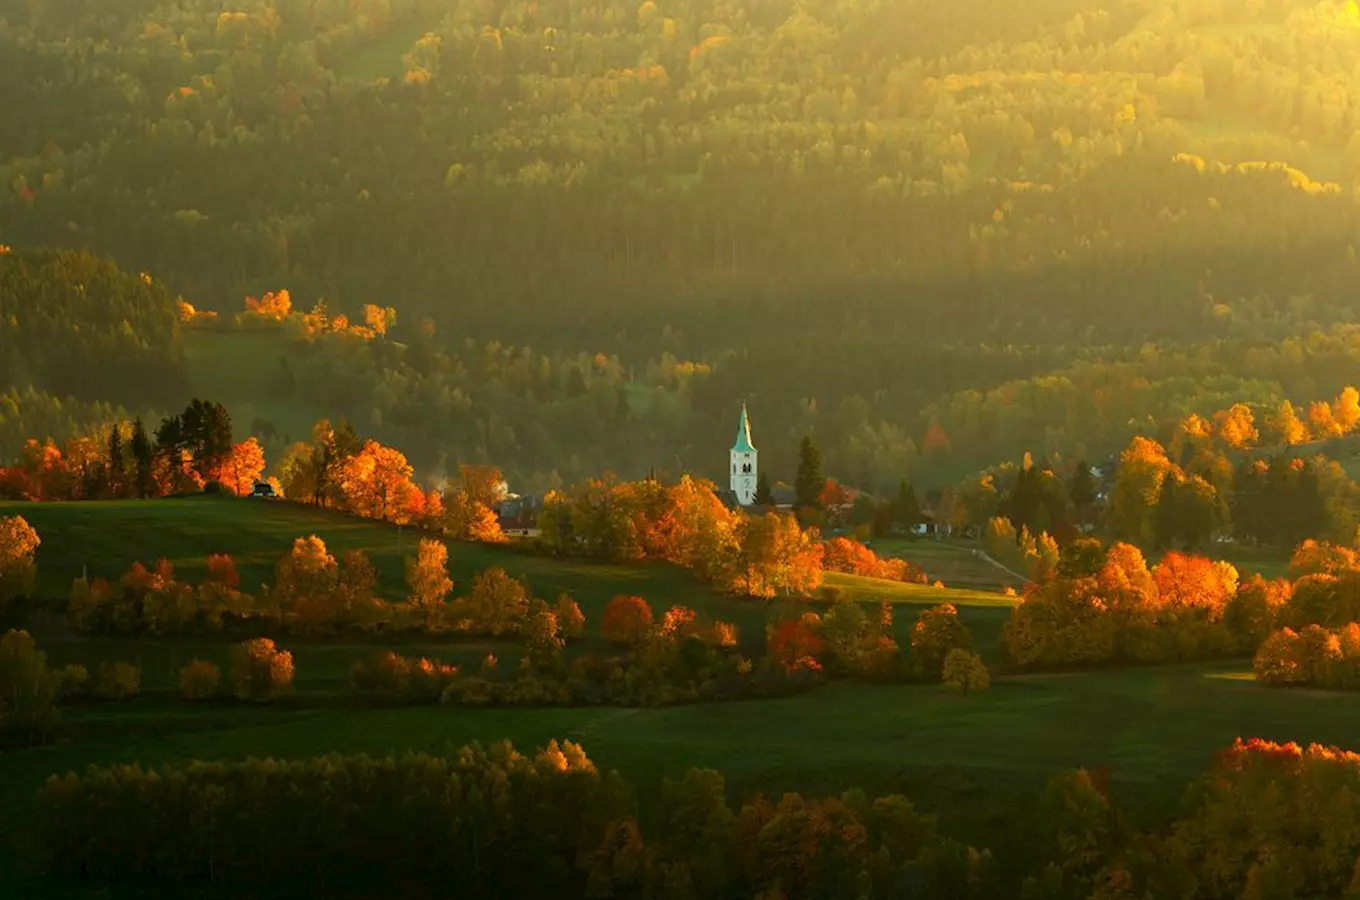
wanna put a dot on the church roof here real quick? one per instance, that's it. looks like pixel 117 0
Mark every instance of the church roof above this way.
pixel 743 444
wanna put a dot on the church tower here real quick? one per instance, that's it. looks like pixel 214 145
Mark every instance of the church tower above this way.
pixel 744 463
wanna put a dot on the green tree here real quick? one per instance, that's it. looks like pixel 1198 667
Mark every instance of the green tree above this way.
pixel 764 494
pixel 117 465
pixel 906 509
pixel 810 480
pixel 142 460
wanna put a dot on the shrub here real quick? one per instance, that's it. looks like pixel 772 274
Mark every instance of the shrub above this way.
pixel 260 671
pixel 28 713
pixel 392 675
pixel 72 681
pixel 118 681
pixel 965 672
pixel 199 680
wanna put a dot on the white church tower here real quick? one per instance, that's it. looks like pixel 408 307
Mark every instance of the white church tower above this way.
pixel 744 463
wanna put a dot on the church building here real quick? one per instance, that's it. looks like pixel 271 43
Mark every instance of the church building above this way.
pixel 744 463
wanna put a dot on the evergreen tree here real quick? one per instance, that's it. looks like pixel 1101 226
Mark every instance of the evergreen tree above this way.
pixel 810 481
pixel 764 495
pixel 142 460
pixel 906 509
pixel 1082 490
pixel 117 467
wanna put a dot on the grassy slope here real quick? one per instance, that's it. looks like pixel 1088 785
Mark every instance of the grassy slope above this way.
pixel 978 761
pixel 105 538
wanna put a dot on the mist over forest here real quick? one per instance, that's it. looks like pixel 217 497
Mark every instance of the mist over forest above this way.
pixel 935 235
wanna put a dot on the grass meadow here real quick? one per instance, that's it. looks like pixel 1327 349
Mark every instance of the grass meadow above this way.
pixel 978 762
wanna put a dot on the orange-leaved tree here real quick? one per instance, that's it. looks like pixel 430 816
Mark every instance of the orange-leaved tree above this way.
pixel 788 641
pixel 305 584
pixel 260 670
pixel 241 468
pixel 626 620
pixel 376 483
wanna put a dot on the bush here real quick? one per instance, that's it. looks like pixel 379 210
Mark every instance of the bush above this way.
pixel 118 681
pixel 28 713
pixel 199 680
pixel 392 675
pixel 72 681
pixel 260 671
pixel 965 672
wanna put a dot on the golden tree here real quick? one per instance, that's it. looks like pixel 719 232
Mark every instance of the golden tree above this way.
pixel 18 550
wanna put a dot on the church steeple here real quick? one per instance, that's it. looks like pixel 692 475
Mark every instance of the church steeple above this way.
pixel 743 444
pixel 743 458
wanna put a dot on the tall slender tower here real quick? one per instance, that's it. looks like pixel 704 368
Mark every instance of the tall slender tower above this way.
pixel 744 463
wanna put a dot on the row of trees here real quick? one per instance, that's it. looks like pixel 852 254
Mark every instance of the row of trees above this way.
pixel 1096 606
pixel 187 452
pixel 473 818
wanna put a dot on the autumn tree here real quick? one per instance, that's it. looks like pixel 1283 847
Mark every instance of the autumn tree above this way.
pixel 28 712
pixel 199 680
pixel 791 639
pixel 260 670
pixel 936 632
pixel 427 576
pixel 498 604
pixel 571 621
pixel 965 672
pixel 18 550
pixel 376 483
pixel 241 468
pixel 626 620
pixel 774 556
pixel 305 583
pixel 543 640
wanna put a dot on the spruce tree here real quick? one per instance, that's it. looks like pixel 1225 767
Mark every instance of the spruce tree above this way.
pixel 906 509
pixel 117 467
pixel 810 481
pixel 764 496
pixel 142 460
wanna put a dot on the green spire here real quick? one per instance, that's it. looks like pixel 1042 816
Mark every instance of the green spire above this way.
pixel 743 444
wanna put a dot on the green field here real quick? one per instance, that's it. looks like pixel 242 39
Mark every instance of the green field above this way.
pixel 979 762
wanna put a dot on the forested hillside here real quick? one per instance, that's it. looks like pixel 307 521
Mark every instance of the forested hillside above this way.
pixel 935 234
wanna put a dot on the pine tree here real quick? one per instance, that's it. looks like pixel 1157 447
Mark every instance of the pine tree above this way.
pixel 1082 491
pixel 117 467
pixel 142 460
pixel 764 495
pixel 906 509
pixel 810 481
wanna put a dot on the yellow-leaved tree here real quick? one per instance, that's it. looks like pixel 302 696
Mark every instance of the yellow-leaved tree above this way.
pixel 18 550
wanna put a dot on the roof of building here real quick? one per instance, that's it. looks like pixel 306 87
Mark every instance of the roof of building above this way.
pixel 743 444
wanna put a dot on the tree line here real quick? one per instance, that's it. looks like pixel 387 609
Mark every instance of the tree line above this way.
pixel 472 819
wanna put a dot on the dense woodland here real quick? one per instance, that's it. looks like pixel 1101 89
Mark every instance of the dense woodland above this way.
pixel 1028 226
